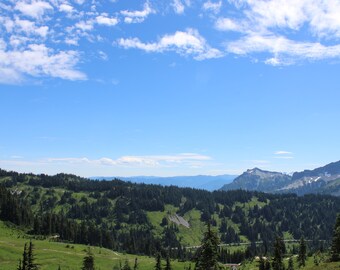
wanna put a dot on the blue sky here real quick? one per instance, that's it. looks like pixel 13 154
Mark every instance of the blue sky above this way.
pixel 176 87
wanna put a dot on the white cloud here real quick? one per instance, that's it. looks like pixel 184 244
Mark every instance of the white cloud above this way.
pixel 212 6
pixel 66 8
pixel 281 152
pixel 285 51
pixel 105 20
pixel 178 6
pixel 37 60
pixel 186 43
pixel 138 161
pixel 283 155
pixel 273 27
pixel 137 16
pixel 227 24
pixel 26 27
pixel 85 25
pixel 103 55
pixel 35 9
pixel 72 41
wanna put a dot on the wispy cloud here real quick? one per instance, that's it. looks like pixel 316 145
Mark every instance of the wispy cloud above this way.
pixel 178 6
pixel 137 16
pixel 283 153
pixel 270 27
pixel 189 159
pixel 39 61
pixel 189 43
pixel 212 6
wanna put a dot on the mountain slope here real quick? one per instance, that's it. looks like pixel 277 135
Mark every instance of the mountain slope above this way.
pixel 324 180
pixel 259 180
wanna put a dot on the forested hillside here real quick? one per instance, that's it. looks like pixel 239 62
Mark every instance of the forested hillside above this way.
pixel 140 219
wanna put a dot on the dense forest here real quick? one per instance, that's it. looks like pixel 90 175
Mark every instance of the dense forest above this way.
pixel 136 218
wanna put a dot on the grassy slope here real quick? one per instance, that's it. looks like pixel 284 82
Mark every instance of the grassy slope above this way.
pixel 50 254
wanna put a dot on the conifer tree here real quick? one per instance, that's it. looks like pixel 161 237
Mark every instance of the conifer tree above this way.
pixel 335 247
pixel 277 262
pixel 31 265
pixel 126 265
pixel 28 258
pixel 88 261
pixel 290 264
pixel 168 263
pixel 25 258
pixel 135 267
pixel 158 265
pixel 302 253
pixel 208 252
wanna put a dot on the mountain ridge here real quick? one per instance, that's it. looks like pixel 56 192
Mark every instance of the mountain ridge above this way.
pixel 324 180
pixel 206 182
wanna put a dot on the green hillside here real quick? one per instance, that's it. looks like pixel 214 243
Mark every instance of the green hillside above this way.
pixel 146 219
pixel 51 255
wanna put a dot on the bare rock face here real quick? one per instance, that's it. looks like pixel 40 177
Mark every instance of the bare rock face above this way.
pixel 179 220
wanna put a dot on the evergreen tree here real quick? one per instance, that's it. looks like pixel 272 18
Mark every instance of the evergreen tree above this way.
pixel 88 261
pixel 28 258
pixel 31 265
pixel 277 262
pixel 208 252
pixel 290 264
pixel 158 265
pixel 335 247
pixel 168 264
pixel 135 267
pixel 126 265
pixel 25 258
pixel 302 253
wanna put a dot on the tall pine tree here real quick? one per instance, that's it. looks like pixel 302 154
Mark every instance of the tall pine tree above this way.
pixel 158 265
pixel 302 253
pixel 168 264
pixel 28 258
pixel 335 248
pixel 208 252
pixel 135 266
pixel 31 258
pixel 277 262
pixel 88 261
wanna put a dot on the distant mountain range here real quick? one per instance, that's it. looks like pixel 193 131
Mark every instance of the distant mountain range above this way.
pixel 324 180
pixel 206 182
